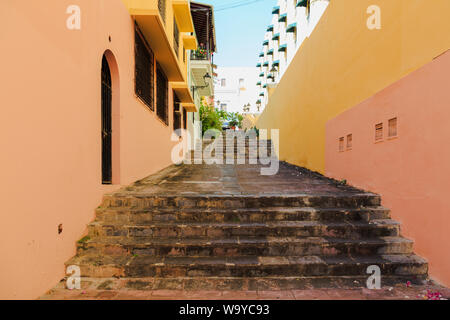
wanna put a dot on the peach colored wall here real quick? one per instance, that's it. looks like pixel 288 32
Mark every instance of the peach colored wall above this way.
pixel 412 171
pixel 50 165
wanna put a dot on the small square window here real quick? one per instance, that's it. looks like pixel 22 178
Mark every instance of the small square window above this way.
pixel 379 132
pixel 341 144
pixel 392 128
pixel 349 141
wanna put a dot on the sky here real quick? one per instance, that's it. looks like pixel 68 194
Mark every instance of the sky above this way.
pixel 240 30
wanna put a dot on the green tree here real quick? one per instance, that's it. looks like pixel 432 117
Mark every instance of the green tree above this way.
pixel 235 119
pixel 210 118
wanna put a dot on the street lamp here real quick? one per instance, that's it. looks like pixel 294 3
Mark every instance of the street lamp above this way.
pixel 205 77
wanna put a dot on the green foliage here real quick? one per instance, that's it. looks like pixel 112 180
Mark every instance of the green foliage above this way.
pixel 235 119
pixel 223 114
pixel 84 239
pixel 210 119
pixel 213 119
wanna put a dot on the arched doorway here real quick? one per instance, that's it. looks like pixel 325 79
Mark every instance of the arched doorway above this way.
pixel 106 132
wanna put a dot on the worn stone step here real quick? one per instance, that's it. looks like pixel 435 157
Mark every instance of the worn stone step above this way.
pixel 143 200
pixel 245 246
pixel 243 283
pixel 137 216
pixel 354 230
pixel 247 267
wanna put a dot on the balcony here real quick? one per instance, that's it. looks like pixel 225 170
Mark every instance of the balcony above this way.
pixel 282 48
pixel 302 3
pixel 184 95
pixel 151 17
pixel 190 42
pixel 201 60
pixel 201 54
pixel 182 13
pixel 292 27
pixel 201 65
pixel 282 18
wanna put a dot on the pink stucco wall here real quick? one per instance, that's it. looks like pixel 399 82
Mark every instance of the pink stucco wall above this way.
pixel 50 165
pixel 411 171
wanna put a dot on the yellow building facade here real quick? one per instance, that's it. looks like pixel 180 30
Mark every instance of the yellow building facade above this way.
pixel 344 62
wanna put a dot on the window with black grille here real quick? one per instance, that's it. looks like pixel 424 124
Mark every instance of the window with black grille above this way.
pixel 176 37
pixel 176 113
pixel 162 9
pixel 162 95
pixel 144 70
pixel 184 119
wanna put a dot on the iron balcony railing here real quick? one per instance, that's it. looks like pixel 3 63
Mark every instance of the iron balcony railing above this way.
pixel 201 54
pixel 176 37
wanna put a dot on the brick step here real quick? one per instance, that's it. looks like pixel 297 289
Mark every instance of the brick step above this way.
pixel 136 200
pixel 99 266
pixel 245 246
pixel 355 230
pixel 139 216
pixel 242 283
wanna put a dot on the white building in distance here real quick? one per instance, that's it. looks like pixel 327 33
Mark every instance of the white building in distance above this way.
pixel 292 22
pixel 235 88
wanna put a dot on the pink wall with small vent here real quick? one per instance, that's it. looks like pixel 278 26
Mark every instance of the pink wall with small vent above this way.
pixel 410 171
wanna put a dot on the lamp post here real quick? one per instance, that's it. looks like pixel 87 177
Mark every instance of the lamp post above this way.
pixel 205 77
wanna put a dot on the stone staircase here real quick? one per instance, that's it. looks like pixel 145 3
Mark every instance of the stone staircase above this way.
pixel 145 239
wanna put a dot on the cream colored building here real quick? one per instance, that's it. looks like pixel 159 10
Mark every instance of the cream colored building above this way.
pixel 235 89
